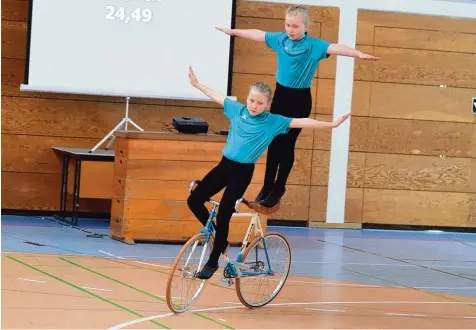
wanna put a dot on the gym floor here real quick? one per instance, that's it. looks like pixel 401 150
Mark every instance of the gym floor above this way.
pixel 55 276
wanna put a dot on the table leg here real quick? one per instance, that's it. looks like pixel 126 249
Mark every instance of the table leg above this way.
pixel 77 177
pixel 64 186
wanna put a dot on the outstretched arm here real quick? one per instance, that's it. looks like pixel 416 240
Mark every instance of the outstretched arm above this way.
pixel 214 95
pixel 312 123
pixel 339 49
pixel 251 34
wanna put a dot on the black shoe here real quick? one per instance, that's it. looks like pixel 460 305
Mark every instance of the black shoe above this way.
pixel 207 272
pixel 273 198
pixel 262 195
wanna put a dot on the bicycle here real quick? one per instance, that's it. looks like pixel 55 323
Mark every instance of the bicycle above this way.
pixel 238 271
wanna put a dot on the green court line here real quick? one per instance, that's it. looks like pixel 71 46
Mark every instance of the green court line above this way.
pixel 141 291
pixel 86 291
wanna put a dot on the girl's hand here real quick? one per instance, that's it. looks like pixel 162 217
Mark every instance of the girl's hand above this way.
pixel 368 57
pixel 341 119
pixel 192 78
pixel 225 30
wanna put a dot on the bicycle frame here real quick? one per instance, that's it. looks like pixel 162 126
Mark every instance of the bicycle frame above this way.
pixel 255 223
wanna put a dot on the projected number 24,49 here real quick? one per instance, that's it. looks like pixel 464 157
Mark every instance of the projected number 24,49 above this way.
pixel 144 15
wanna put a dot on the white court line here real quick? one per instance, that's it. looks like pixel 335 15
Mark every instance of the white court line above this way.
pixel 110 254
pixel 402 314
pixel 232 303
pixel 155 265
pixel 144 319
pixel 222 320
pixel 86 287
pixel 470 317
pixel 335 284
pixel 29 280
pixel 325 310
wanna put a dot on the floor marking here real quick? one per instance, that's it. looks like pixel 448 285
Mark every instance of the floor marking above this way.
pixel 370 264
pixel 27 279
pixel 336 284
pixel 155 265
pixel 137 289
pixel 325 310
pixel 110 254
pixel 85 291
pixel 447 288
pixel 403 314
pixel 470 317
pixel 126 324
pixel 222 320
pixel 86 287
pixel 232 303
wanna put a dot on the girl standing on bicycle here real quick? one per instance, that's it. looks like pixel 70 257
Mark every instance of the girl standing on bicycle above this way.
pixel 251 131
pixel 298 56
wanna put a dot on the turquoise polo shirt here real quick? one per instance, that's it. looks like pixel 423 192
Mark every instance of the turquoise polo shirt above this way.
pixel 249 136
pixel 297 60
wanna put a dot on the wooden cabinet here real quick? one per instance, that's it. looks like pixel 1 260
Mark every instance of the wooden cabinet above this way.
pixel 152 174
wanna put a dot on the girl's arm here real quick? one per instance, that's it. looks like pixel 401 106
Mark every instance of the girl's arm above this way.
pixel 312 123
pixel 339 49
pixel 214 95
pixel 251 34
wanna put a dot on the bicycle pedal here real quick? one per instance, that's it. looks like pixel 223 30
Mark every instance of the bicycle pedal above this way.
pixel 226 281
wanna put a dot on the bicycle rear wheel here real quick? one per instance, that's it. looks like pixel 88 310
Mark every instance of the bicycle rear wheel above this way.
pixel 259 290
pixel 183 289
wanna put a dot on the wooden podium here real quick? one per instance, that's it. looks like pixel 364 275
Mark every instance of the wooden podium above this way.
pixel 152 175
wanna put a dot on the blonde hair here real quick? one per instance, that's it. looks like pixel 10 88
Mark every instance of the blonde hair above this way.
pixel 263 88
pixel 297 9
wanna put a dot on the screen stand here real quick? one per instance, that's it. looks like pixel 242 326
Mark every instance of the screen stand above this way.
pixel 122 123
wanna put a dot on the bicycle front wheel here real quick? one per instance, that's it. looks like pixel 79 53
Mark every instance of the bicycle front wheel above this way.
pixel 270 255
pixel 183 288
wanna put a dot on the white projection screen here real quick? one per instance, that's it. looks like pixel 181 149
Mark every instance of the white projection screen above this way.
pixel 130 48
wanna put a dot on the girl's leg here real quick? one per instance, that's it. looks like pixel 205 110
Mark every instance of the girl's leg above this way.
pixel 287 144
pixel 211 184
pixel 290 103
pixel 235 189
pixel 272 164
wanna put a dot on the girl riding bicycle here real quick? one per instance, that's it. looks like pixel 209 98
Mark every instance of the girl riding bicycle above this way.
pixel 251 131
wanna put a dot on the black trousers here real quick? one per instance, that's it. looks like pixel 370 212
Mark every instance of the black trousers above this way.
pixel 235 178
pixel 293 103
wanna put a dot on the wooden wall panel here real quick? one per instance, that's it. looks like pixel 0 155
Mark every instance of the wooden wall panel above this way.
pixel 369 20
pixel 360 97
pixel 92 119
pixel 34 154
pixel 424 67
pixel 358 134
pixel 404 101
pixel 14 39
pixel 410 172
pixel 419 208
pixel 419 137
pixel 412 38
pixel 15 10
pixel 320 169
pixel 422 102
